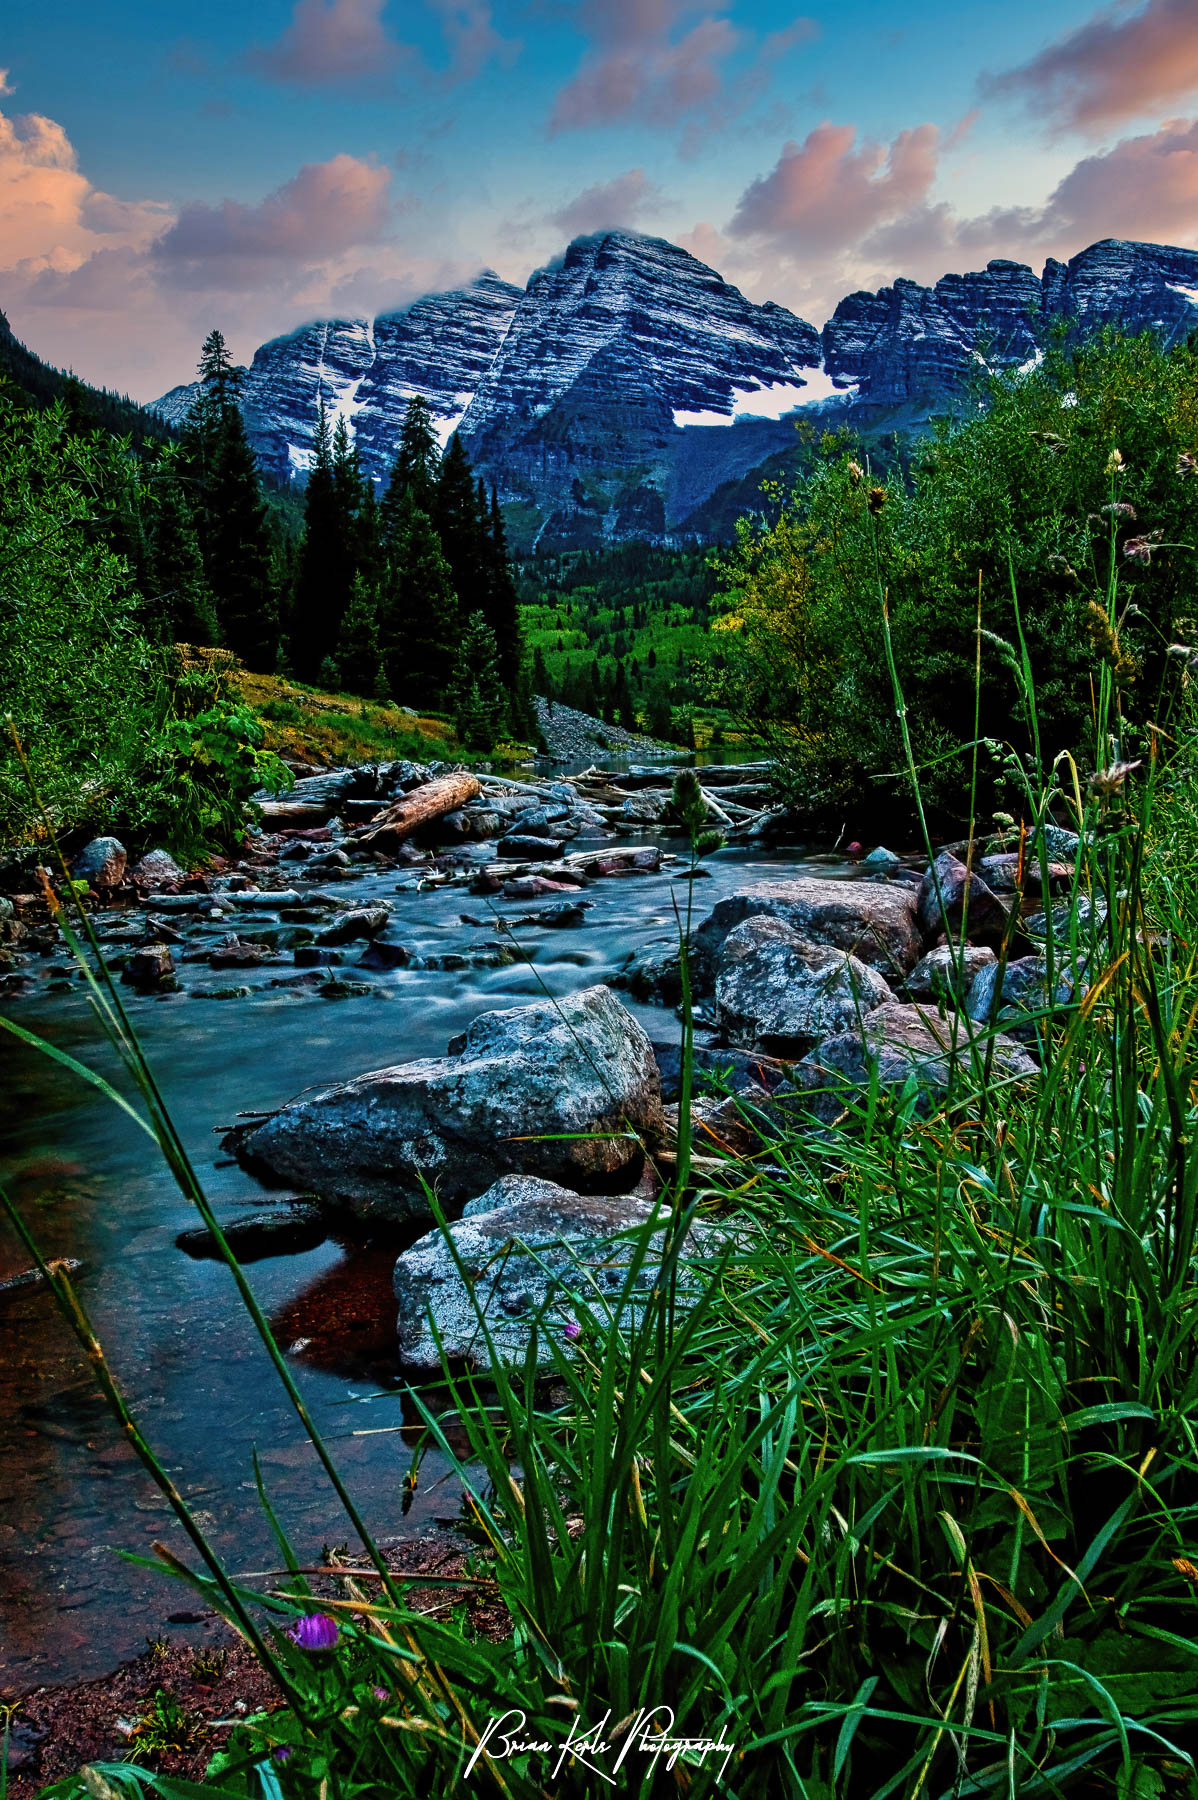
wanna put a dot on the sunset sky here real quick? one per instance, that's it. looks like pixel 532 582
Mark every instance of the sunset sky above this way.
pixel 165 168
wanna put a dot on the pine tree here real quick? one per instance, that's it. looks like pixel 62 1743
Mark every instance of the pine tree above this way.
pixel 359 660
pixel 542 681
pixel 176 584
pixel 418 613
pixel 234 530
pixel 414 471
pixel 462 530
pixel 502 613
pixel 323 580
pixel 478 698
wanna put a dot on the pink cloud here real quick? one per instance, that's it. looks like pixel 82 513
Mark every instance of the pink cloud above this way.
pixel 333 43
pixel 471 37
pixel 827 192
pixel 658 81
pixel 621 201
pixel 1117 66
pixel 324 209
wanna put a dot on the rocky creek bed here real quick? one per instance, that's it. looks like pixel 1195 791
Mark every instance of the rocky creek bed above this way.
pixel 416 922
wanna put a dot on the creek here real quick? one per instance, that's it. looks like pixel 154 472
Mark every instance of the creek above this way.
pixel 94 1188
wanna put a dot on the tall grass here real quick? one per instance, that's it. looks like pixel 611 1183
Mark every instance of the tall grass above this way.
pixel 904 1501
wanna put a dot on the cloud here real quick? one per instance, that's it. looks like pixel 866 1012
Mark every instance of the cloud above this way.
pixel 333 43
pixel 641 73
pixel 5 83
pixel 835 215
pixel 324 209
pixel 622 201
pixel 826 193
pixel 1116 67
pixel 471 38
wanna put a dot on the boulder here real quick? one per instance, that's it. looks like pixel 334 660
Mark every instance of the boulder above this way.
pixel 101 863
pixel 881 860
pixel 653 972
pixel 1007 873
pixel 713 1071
pixel 871 920
pixel 532 1254
pixel 156 869
pixel 560 1089
pixel 1062 846
pixel 962 896
pixel 947 972
pixel 911 1041
pixel 1024 996
pixel 528 887
pixel 552 821
pixel 379 954
pixel 280 1230
pixel 530 849
pixel 150 967
pixel 646 808
pixel 361 922
pixel 777 993
pixel 237 953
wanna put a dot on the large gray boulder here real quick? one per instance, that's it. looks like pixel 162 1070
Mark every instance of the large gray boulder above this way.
pixel 948 971
pixel 101 863
pixel 952 894
pixel 1024 998
pixel 777 993
pixel 532 1254
pixel 875 922
pixel 559 1089
pixel 156 868
pixel 902 1042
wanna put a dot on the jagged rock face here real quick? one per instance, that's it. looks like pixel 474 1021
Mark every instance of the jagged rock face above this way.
pixel 601 399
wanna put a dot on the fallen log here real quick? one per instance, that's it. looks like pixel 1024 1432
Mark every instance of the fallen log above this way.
pixel 422 806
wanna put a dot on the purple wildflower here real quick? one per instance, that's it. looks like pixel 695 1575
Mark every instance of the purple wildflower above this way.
pixel 315 1631
pixel 283 1754
pixel 381 1693
pixel 572 1329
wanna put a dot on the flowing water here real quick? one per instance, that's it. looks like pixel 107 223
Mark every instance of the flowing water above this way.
pixel 72 1496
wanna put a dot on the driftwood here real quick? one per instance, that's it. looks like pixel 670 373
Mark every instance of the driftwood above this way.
pixel 276 814
pixel 421 807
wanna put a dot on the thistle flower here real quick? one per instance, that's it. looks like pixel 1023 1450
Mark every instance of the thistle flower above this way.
pixel 282 1754
pixel 1104 784
pixel 1187 463
pixel 1120 509
pixel 315 1631
pixel 856 474
pixel 1139 549
pixel 572 1329
pixel 876 500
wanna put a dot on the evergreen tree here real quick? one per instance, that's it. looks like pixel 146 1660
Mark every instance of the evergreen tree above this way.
pixel 478 698
pixel 462 530
pixel 414 471
pixel 542 681
pixel 419 615
pixel 359 660
pixel 176 585
pixel 502 613
pixel 234 530
pixel 324 578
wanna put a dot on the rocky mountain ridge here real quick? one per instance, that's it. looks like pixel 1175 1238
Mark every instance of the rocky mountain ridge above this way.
pixel 614 395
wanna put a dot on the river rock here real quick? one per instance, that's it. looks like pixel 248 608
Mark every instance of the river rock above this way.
pixel 871 920
pixel 905 1041
pixel 149 967
pixel 101 863
pixel 523 1080
pixel 156 869
pixel 653 972
pixel 552 821
pixel 1004 873
pixel 777 993
pixel 645 808
pixel 1062 845
pixel 962 896
pixel 715 1070
pixel 528 887
pixel 948 971
pixel 278 1231
pixel 360 922
pixel 379 954
pixel 238 953
pixel 531 1252
pixel 530 849
pixel 1024 995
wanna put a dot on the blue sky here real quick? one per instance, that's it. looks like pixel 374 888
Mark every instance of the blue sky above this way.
pixel 163 168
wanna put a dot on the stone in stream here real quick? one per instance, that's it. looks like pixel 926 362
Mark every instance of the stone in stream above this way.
pixel 361 922
pixel 560 1089
pixel 653 972
pixel 379 954
pixel 947 972
pixel 527 887
pixel 881 859
pixel 951 894
pixel 152 967
pixel 281 1230
pixel 237 953
pixel 268 897
pixel 101 863
pixel 647 808
pixel 777 993
pixel 156 869
pixel 530 849
pixel 875 922
pixel 905 1042
pixel 533 1253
